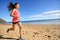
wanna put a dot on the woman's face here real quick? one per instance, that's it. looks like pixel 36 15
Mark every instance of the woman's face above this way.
pixel 17 6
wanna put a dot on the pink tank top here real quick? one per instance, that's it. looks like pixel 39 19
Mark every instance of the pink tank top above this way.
pixel 16 16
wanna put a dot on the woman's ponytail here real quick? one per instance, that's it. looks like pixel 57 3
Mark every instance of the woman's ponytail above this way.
pixel 11 6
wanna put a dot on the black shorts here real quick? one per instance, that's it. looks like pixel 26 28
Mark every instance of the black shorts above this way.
pixel 15 22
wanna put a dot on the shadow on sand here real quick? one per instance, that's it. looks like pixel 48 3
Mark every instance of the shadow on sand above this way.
pixel 3 38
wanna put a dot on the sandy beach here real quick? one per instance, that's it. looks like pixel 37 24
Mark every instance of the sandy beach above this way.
pixel 32 32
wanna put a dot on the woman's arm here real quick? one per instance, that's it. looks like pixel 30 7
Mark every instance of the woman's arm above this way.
pixel 11 14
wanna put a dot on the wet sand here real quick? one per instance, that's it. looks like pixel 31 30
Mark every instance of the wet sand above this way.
pixel 32 32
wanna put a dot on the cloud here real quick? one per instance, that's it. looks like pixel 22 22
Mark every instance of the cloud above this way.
pixel 56 13
pixel 52 12
pixel 45 15
pixel 32 16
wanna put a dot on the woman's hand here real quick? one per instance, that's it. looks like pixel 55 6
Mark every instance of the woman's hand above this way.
pixel 11 14
pixel 19 17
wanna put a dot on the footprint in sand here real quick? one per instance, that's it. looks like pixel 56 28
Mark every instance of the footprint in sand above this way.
pixel 47 36
pixel 1 36
pixel 59 36
pixel 35 33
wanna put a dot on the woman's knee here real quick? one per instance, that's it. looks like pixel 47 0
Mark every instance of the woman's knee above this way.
pixel 12 29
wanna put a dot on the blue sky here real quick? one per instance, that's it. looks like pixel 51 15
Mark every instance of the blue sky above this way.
pixel 32 9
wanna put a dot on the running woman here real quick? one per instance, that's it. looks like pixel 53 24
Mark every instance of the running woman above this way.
pixel 15 14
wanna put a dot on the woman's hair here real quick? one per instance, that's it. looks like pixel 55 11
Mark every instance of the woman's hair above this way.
pixel 11 6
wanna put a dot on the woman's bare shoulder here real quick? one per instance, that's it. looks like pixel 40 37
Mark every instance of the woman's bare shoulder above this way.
pixel 13 10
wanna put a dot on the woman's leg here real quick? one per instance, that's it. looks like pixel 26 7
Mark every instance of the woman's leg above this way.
pixel 13 28
pixel 20 26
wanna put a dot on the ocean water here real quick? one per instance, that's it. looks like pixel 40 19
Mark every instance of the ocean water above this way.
pixel 50 21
